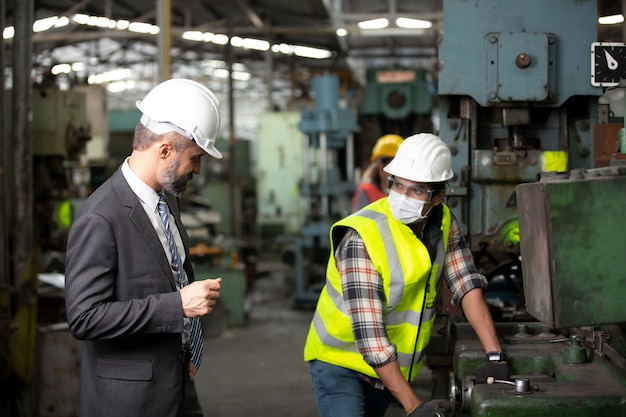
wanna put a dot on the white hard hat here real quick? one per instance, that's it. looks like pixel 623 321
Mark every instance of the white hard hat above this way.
pixel 422 158
pixel 185 106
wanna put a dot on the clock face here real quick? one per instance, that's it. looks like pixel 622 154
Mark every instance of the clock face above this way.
pixel 608 63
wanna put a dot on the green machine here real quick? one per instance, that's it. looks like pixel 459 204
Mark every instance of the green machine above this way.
pixel 59 131
pixel 572 360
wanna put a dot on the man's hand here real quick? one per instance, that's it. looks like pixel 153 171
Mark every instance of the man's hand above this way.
pixel 199 297
pixel 192 371
pixel 495 369
pixel 432 408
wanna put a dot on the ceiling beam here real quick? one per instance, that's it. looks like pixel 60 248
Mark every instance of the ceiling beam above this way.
pixel 87 35
pixel 75 8
pixel 252 16
pixel 334 10
pixel 357 17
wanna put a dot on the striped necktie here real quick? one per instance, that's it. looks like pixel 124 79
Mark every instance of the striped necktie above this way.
pixel 177 266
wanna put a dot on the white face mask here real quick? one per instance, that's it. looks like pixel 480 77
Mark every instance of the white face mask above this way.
pixel 404 209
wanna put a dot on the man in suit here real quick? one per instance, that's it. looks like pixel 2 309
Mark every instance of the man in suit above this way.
pixel 130 291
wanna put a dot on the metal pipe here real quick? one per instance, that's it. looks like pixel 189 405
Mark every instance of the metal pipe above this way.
pixel 5 303
pixel 22 138
pixel 234 203
pixel 623 24
pixel 517 138
pixel 23 273
pixel 269 67
pixel 4 223
pixel 306 181
pixel 334 10
pixel 350 156
pixel 324 173
pixel 164 39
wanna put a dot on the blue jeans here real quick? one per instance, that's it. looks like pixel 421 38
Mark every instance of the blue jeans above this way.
pixel 341 392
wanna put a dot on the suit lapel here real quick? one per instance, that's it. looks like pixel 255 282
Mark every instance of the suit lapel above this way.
pixel 141 221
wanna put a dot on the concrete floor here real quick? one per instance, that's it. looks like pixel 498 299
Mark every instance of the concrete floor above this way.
pixel 258 369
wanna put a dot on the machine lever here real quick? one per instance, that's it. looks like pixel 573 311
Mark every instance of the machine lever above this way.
pixel 521 384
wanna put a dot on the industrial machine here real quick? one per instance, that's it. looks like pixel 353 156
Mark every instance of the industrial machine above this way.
pixel 539 190
pixel 572 361
pixel 395 100
pixel 327 185
pixel 515 100
pixel 60 129
pixel 280 169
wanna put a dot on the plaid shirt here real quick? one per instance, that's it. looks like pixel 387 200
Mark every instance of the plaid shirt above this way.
pixel 365 298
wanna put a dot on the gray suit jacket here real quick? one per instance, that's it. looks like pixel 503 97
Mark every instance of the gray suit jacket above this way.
pixel 121 300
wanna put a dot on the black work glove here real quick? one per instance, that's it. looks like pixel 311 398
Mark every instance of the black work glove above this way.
pixel 496 369
pixel 432 408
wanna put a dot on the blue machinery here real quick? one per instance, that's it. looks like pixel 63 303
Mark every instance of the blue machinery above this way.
pixel 517 106
pixel 396 100
pixel 327 185
pixel 515 100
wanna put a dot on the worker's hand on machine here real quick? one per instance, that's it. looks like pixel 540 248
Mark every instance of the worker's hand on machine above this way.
pixel 432 408
pixel 498 370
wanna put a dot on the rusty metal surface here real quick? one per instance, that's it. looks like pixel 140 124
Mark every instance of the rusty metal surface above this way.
pixel 571 241
pixel 605 137
pixel 534 243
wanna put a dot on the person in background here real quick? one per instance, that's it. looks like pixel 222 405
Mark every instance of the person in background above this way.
pixel 374 180
pixel 375 313
pixel 130 291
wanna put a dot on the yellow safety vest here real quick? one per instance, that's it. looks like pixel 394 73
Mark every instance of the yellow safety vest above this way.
pixel 410 283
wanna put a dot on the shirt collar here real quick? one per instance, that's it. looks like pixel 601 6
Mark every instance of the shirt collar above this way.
pixel 143 191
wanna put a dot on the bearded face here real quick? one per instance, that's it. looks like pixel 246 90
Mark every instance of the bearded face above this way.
pixel 172 182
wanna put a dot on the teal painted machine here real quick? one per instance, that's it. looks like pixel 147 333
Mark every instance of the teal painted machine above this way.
pixel 396 93
pixel 519 113
pixel 327 185
pixel 395 100
pixel 515 100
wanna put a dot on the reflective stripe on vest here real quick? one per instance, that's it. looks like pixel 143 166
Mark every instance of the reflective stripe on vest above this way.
pixel 384 238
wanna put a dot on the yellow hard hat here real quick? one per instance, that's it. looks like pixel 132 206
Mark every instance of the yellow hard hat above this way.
pixel 386 146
